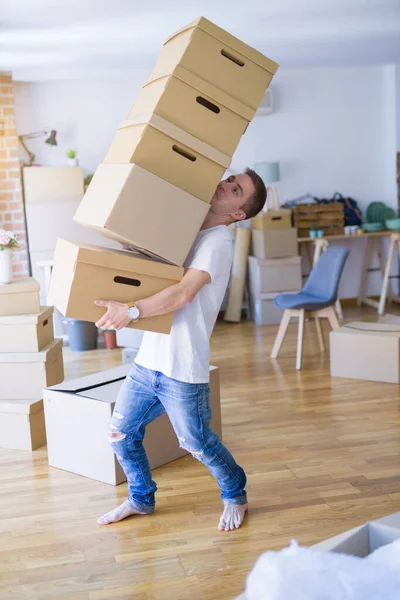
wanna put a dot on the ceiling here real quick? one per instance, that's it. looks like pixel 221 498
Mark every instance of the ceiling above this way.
pixel 65 39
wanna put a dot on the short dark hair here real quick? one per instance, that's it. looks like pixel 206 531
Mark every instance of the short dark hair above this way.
pixel 256 202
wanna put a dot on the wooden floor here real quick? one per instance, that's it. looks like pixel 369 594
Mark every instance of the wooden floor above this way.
pixel 321 455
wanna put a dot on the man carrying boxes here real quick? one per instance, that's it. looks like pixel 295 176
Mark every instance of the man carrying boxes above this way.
pixel 171 372
pixel 158 188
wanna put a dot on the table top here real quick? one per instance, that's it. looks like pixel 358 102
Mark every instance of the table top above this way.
pixel 343 236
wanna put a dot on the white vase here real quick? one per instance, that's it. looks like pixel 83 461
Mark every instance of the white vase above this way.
pixel 73 162
pixel 6 273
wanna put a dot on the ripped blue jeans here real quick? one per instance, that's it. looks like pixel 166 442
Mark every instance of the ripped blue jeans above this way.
pixel 144 396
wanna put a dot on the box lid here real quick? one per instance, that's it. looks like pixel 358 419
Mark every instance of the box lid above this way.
pixel 124 260
pixel 276 262
pixel 33 319
pixel 364 328
pixel 45 355
pixel 231 41
pixel 99 386
pixel 179 135
pixel 20 286
pixel 206 88
pixel 23 407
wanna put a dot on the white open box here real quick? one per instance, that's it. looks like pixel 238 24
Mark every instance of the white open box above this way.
pixel 78 413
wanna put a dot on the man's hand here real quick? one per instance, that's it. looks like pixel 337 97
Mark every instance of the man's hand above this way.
pixel 115 317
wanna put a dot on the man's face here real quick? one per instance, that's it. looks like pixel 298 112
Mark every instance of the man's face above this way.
pixel 231 194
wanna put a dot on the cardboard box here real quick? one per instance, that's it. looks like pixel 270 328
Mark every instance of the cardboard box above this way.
pixel 274 275
pixel 274 243
pixel 196 106
pixel 27 333
pixel 264 310
pixel 83 274
pixel 170 153
pixel 360 541
pixel 20 297
pixel 368 351
pixel 22 424
pixel 138 209
pixel 23 375
pixel 53 184
pixel 218 57
pixel 273 219
pixel 77 416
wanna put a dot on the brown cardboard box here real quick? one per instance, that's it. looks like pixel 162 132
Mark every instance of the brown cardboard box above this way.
pixel 368 351
pixel 139 209
pixel 83 274
pixel 23 375
pixel 274 243
pixel 27 333
pixel 218 57
pixel 274 275
pixel 20 297
pixel 53 184
pixel 22 424
pixel 196 106
pixel 77 415
pixel 273 219
pixel 171 153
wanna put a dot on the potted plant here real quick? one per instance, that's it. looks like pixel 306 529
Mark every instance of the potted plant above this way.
pixel 72 159
pixel 110 339
pixel 8 241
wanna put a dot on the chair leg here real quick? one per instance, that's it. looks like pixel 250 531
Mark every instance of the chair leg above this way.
pixel 300 339
pixel 320 334
pixel 281 334
pixel 332 318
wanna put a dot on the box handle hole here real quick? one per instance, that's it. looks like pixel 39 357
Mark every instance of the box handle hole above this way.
pixel 127 281
pixel 207 104
pixel 45 322
pixel 183 153
pixel 234 59
pixel 276 219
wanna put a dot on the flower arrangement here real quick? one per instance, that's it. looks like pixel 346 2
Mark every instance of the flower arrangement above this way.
pixel 8 240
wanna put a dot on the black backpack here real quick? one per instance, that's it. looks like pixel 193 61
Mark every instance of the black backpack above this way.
pixel 352 214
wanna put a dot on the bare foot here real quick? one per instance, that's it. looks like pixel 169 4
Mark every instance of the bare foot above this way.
pixel 232 517
pixel 121 512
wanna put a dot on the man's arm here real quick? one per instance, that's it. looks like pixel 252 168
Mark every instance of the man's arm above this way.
pixel 168 300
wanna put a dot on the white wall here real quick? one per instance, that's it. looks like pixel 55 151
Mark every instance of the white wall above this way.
pixel 332 129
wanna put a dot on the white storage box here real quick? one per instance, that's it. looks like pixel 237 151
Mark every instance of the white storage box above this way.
pixel 264 310
pixel 77 416
pixel 20 297
pixel 130 338
pixel 27 333
pixel 22 424
pixel 129 355
pixel 274 275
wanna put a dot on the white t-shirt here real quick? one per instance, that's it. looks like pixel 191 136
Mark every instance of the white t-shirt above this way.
pixel 184 354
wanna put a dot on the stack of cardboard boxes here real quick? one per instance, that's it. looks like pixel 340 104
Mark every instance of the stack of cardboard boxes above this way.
pixel 154 187
pixel 30 360
pixel 275 266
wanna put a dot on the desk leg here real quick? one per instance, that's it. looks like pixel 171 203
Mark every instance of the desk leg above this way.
pixel 364 272
pixel 386 281
pixel 378 250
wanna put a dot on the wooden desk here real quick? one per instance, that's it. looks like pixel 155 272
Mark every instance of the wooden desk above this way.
pixel 374 240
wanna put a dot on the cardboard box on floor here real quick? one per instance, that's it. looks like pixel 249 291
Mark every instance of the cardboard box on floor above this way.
pixel 22 424
pixel 20 297
pixel 27 333
pixel 196 106
pixel 77 416
pixel 369 351
pixel 170 153
pixel 23 375
pixel 264 311
pixel 218 57
pixel 274 243
pixel 138 209
pixel 83 274
pixel 361 541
